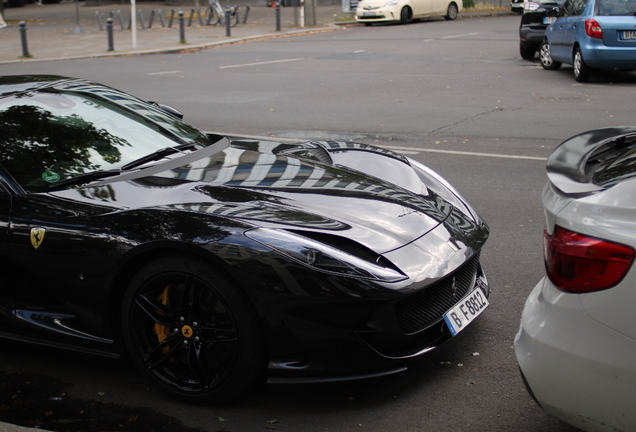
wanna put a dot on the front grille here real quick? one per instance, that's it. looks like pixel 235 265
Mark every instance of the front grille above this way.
pixel 417 312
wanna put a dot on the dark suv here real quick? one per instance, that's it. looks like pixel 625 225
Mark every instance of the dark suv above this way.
pixel 534 21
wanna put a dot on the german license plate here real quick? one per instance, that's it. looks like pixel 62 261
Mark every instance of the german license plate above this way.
pixel 628 35
pixel 368 14
pixel 463 313
pixel 549 20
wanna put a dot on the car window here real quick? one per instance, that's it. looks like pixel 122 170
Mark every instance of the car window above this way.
pixel 573 7
pixel 616 8
pixel 49 136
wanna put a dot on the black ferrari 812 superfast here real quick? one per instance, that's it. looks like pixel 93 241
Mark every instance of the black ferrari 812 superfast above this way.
pixel 215 263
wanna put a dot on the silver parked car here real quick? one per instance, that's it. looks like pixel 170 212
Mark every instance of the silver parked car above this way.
pixel 577 341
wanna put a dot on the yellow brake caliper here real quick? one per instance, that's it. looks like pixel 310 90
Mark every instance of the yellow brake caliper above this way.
pixel 163 331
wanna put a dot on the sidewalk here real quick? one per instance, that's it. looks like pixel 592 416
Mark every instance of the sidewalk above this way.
pixel 51 29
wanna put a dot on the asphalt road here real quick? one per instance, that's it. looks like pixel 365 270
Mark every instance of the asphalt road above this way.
pixel 429 89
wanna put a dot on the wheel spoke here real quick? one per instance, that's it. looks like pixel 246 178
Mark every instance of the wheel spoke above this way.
pixel 159 354
pixel 198 365
pixel 156 311
pixel 215 334
pixel 189 295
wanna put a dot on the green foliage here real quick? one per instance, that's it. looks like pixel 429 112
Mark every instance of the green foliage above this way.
pixel 468 4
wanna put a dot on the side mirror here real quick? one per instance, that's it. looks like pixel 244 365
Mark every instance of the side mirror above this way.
pixel 167 108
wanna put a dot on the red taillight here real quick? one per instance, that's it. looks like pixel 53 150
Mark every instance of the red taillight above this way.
pixel 593 29
pixel 579 264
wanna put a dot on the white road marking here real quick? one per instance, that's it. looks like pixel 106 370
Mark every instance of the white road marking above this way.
pixel 406 152
pixel 410 150
pixel 261 63
pixel 464 153
pixel 359 51
pixel 461 35
pixel 163 73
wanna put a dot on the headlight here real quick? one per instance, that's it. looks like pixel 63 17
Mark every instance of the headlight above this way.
pixel 530 6
pixel 391 3
pixel 323 257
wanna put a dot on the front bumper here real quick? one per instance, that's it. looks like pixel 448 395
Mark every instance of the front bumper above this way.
pixel 331 337
pixel 383 14
pixel 578 369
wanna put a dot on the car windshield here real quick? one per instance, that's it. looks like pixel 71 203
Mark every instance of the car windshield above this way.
pixel 615 8
pixel 57 133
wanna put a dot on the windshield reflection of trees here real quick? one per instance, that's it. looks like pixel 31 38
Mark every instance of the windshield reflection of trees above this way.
pixel 34 141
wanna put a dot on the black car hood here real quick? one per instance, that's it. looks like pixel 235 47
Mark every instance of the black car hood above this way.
pixel 329 187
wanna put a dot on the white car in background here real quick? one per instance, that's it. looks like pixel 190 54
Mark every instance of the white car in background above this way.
pixel 403 11
pixel 576 346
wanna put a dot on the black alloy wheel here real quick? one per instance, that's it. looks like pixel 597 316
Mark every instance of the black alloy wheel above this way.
pixel 451 12
pixel 192 332
pixel 546 58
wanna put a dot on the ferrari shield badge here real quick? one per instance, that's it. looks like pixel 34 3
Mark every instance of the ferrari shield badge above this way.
pixel 37 236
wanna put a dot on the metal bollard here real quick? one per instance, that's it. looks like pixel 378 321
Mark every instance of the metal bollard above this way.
pixel 141 19
pixel 163 23
pixel 277 16
pixel 191 16
pixel 121 20
pixel 228 14
pixel 171 18
pixel 152 18
pixel 247 12
pixel 23 36
pixel 109 30
pixel 181 28
pixel 99 20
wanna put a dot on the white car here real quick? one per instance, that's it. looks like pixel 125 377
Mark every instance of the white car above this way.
pixel 372 11
pixel 517 5
pixel 576 346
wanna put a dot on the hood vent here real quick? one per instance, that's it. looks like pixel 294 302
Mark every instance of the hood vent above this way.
pixel 310 150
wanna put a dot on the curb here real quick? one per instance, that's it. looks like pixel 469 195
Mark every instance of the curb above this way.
pixel 185 48
pixel 179 49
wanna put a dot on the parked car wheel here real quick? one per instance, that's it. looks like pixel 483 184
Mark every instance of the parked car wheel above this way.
pixel 451 13
pixel 546 59
pixel 190 331
pixel 581 69
pixel 526 52
pixel 405 15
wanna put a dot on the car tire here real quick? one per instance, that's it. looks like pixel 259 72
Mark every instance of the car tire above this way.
pixel 405 15
pixel 451 12
pixel 546 59
pixel 526 52
pixel 192 332
pixel 581 69
pixel 368 24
